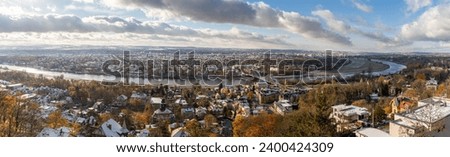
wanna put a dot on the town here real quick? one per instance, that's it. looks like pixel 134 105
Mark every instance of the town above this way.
pixel 409 102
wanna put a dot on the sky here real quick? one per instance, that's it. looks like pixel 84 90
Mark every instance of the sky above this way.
pixel 344 25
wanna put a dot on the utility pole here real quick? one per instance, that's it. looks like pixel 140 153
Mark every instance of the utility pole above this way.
pixel 373 116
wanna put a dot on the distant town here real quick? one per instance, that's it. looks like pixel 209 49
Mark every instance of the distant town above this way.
pixel 58 93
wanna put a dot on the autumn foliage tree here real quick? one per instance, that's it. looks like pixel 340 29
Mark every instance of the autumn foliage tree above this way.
pixel 18 117
pixel 56 120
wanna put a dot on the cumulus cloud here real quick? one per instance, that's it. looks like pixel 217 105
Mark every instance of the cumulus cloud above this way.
pixel 105 24
pixel 432 25
pixel 361 6
pixel 236 12
pixel 415 5
pixel 340 26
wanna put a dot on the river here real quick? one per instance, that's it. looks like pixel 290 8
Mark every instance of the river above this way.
pixel 393 68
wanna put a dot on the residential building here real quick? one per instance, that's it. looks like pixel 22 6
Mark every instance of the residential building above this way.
pixel 431 84
pixel 282 107
pixel 111 128
pixel 187 111
pixel 268 95
pixel 400 104
pixel 349 117
pixel 156 102
pixel 374 97
pixel 60 132
pixel 14 86
pixel 371 132
pixel 162 114
pixel 430 118
pixel 138 96
pixel 179 132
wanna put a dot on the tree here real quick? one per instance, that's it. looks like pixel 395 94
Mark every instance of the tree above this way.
pixel 194 129
pixel 209 121
pixel 264 125
pixel 18 117
pixel 141 119
pixel 420 76
pixel 56 120
pixel 379 114
pixel 239 126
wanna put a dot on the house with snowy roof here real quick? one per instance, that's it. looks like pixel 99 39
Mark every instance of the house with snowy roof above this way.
pixel 156 102
pixel 111 128
pixel 371 132
pixel 282 107
pixel 59 132
pixel 162 114
pixel 15 86
pixel 430 118
pixel 138 96
pixel 349 117
pixel 179 132
pixel 431 84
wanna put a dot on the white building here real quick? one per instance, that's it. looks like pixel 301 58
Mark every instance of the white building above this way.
pixel 122 98
pixel 181 102
pixel 200 112
pixel 282 107
pixel 14 86
pixel 431 84
pixel 349 117
pixel 60 132
pixel 156 101
pixel 430 118
pixel 162 114
pixel 138 95
pixel 371 132
pixel 113 129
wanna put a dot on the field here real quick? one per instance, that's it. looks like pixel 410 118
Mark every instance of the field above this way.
pixel 363 65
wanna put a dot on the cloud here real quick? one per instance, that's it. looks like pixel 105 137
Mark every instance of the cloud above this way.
pixel 340 26
pixel 235 12
pixel 105 24
pixel 85 1
pixel 432 25
pixel 415 5
pixel 124 39
pixel 361 6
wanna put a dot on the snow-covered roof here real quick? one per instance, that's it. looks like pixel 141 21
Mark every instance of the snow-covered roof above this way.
pixel 166 111
pixel 179 132
pixel 156 100
pixel 432 81
pixel 372 132
pixel 49 132
pixel 201 110
pixel 138 95
pixel 15 85
pixel 434 101
pixel 27 96
pixel 4 82
pixel 284 103
pixel 122 97
pixel 112 129
pixel 181 101
pixel 201 96
pixel 190 109
pixel 143 133
pixel 429 113
pixel 349 110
